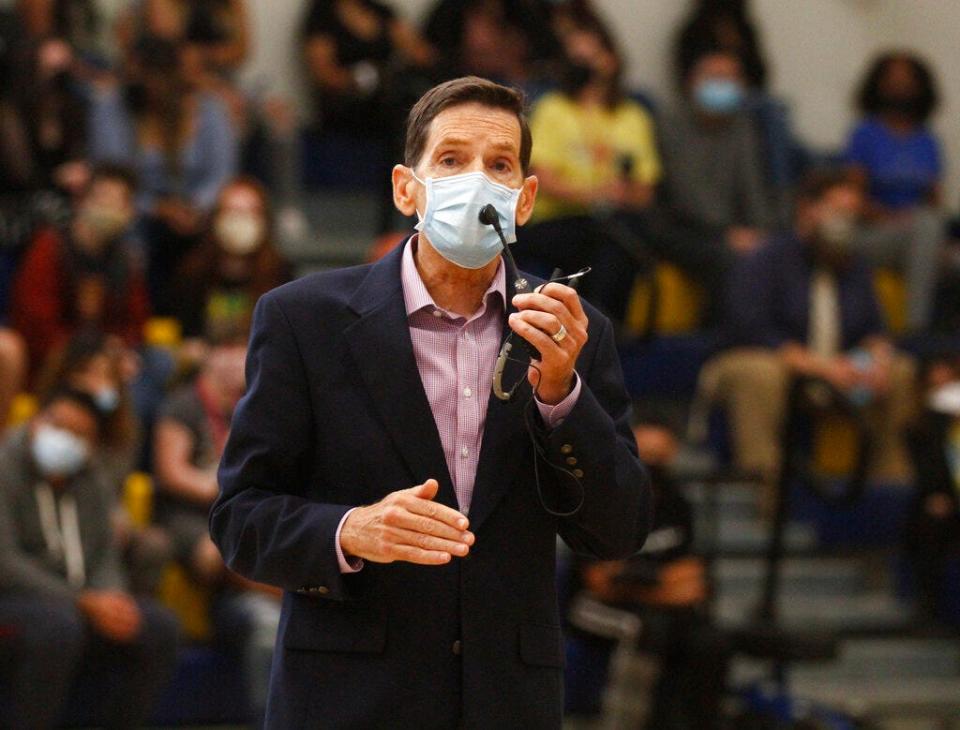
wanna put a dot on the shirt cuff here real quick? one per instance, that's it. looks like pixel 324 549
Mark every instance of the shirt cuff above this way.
pixel 553 415
pixel 347 565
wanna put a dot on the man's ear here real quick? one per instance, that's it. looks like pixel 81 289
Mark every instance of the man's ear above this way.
pixel 528 196
pixel 404 190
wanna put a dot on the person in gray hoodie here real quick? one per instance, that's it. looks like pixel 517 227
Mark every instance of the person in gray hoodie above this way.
pixel 65 612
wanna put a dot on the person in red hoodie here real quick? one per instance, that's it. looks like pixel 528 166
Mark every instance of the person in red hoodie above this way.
pixel 85 275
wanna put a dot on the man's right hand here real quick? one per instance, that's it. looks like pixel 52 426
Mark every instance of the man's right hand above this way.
pixel 407 525
pixel 112 614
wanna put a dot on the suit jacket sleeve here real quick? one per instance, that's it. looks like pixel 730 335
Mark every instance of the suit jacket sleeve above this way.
pixel 265 528
pixel 615 516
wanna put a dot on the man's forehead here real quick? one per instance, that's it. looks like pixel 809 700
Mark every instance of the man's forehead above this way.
pixel 467 124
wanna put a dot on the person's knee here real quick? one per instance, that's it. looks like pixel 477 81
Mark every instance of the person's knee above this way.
pixel 53 633
pixel 757 369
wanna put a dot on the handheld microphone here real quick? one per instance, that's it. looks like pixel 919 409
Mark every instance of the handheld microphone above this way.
pixel 489 217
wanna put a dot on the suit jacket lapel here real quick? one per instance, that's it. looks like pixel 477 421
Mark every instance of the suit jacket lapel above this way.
pixel 381 346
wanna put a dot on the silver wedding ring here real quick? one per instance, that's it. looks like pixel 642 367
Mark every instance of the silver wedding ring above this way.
pixel 559 334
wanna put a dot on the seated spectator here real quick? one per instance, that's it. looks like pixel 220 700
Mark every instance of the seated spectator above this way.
pixel 101 366
pixel 217 30
pixel 190 434
pixel 727 25
pixel 349 46
pixel 805 306
pixel 218 284
pixel 44 116
pixel 63 600
pixel 179 141
pixel 932 533
pixel 507 41
pixel 366 67
pixel 74 21
pixel 595 156
pixel 897 155
pixel 43 139
pixel 85 275
pixel 713 202
pixel 665 585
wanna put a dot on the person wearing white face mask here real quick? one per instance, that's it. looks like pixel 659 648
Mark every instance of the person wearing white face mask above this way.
pixel 804 306
pixel 217 285
pixel 61 588
pixel 86 275
pixel 716 205
pixel 374 472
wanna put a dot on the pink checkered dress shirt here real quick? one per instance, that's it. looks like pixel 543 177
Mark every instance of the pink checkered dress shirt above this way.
pixel 456 356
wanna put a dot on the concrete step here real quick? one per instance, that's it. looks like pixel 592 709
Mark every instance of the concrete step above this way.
pixel 887 658
pixel 751 537
pixel 728 500
pixel 872 611
pixel 874 697
pixel 799 576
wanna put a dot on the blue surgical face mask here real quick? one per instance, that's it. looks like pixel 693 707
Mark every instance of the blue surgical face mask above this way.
pixel 58 452
pixel 718 96
pixel 107 399
pixel 451 221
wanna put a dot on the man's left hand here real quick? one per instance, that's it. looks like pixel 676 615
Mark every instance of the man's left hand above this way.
pixel 542 314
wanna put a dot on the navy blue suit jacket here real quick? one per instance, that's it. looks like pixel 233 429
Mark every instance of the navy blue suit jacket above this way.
pixel 768 297
pixel 335 416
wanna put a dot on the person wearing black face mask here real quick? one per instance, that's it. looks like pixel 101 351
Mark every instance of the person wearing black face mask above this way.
pixel 897 156
pixel 665 584
pixel 597 161
pixel 805 306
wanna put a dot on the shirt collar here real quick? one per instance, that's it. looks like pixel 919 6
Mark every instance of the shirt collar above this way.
pixel 415 294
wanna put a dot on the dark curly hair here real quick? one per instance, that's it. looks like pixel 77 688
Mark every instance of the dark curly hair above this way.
pixel 869 100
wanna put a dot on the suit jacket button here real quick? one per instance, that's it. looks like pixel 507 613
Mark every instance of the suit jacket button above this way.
pixel 572 460
pixel 322 590
pixel 578 473
pixel 457 648
pixel 566 449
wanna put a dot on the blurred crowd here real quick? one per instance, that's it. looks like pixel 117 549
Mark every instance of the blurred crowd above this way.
pixel 139 184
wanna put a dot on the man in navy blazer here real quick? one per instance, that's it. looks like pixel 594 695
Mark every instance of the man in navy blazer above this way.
pixel 409 514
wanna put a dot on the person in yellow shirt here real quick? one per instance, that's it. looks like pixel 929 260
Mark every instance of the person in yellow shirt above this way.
pixel 596 158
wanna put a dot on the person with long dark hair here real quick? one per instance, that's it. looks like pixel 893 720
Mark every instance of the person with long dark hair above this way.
pixel 218 284
pixel 596 159
pixel 180 142
pixel 895 153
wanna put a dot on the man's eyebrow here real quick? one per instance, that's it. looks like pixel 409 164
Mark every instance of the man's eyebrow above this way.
pixel 465 142
pixel 505 147
pixel 454 142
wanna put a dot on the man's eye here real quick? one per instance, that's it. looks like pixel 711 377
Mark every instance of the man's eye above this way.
pixel 448 161
pixel 501 166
